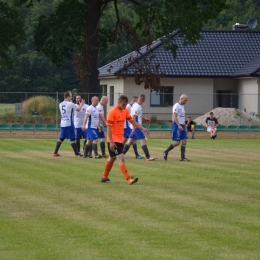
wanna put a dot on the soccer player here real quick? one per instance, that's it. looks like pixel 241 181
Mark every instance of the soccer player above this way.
pixel 67 108
pixel 101 135
pixel 115 138
pixel 137 134
pixel 91 127
pixel 179 133
pixel 78 119
pixel 128 130
pixel 211 124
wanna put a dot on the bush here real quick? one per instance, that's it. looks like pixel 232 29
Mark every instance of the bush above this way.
pixel 45 105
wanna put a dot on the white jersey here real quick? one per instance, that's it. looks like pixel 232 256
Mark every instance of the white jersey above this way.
pixel 129 107
pixel 79 116
pixel 93 119
pixel 138 112
pixel 101 111
pixel 67 109
pixel 179 110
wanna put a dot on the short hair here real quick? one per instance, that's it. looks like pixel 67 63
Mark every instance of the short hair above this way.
pixel 142 97
pixel 211 113
pixel 123 98
pixel 67 94
pixel 81 96
pixel 135 97
pixel 189 116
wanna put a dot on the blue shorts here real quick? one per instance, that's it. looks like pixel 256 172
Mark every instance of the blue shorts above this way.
pixel 67 133
pixel 177 134
pixel 101 134
pixel 127 132
pixel 139 134
pixel 91 134
pixel 79 133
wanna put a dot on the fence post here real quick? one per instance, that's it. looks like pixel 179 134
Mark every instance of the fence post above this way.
pixel 57 105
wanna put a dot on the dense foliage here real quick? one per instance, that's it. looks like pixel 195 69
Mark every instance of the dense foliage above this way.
pixel 59 29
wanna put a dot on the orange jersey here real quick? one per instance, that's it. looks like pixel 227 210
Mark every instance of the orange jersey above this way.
pixel 115 119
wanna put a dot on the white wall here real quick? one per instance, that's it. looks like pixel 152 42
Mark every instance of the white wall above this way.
pixel 248 89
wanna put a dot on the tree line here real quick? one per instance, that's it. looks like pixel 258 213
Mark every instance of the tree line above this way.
pixel 57 45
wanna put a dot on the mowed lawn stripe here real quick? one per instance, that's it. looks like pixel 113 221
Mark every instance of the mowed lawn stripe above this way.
pixel 56 208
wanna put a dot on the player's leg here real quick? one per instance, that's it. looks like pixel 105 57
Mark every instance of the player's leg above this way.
pixel 127 145
pixel 137 155
pixel 175 139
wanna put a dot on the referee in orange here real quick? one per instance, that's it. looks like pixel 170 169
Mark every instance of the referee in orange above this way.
pixel 115 138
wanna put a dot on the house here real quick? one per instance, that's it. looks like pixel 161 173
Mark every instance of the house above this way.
pixel 221 70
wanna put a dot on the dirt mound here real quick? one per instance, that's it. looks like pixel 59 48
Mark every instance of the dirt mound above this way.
pixel 229 116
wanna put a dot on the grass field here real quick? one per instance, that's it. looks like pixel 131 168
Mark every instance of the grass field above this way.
pixel 56 208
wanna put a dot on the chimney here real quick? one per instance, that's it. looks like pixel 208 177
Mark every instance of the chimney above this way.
pixel 240 27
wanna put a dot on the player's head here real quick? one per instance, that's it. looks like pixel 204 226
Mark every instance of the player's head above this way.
pixel 68 96
pixel 122 102
pixel 134 99
pixel 211 114
pixel 79 98
pixel 103 101
pixel 141 99
pixel 94 101
pixel 183 99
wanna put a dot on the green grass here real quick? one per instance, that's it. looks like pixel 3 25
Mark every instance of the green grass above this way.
pixel 56 208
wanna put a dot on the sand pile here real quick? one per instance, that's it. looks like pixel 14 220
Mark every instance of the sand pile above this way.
pixel 229 116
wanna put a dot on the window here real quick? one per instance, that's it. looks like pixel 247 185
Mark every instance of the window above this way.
pixel 111 96
pixel 163 98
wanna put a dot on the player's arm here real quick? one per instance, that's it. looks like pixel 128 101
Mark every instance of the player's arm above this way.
pixel 80 105
pixel 137 125
pixel 177 121
pixel 85 122
pixel 146 119
pixel 102 118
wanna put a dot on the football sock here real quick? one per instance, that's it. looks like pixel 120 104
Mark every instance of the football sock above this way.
pixel 94 147
pixel 124 171
pixel 126 148
pixel 102 147
pixel 78 145
pixel 146 152
pixel 169 148
pixel 90 150
pixel 183 147
pixel 74 147
pixel 107 169
pixel 57 146
pixel 135 149
pixel 86 150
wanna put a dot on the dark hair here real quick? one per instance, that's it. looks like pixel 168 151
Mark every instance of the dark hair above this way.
pixel 211 113
pixel 123 98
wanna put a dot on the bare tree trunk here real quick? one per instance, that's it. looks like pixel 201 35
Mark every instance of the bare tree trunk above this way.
pixel 89 73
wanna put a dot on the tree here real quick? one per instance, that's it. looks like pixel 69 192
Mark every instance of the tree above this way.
pixel 74 28
pixel 11 33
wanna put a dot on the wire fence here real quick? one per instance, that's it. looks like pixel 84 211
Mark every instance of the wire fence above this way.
pixel 43 107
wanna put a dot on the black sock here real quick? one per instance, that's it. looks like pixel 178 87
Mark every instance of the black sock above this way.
pixel 78 145
pixel 135 149
pixel 86 150
pixel 74 147
pixel 102 147
pixel 126 148
pixel 183 147
pixel 169 148
pixel 94 147
pixel 146 152
pixel 90 150
pixel 57 146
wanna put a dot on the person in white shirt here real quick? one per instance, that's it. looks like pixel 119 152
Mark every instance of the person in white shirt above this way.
pixel 128 130
pixel 67 109
pixel 78 119
pixel 101 134
pixel 179 133
pixel 137 134
pixel 90 127
pixel 212 124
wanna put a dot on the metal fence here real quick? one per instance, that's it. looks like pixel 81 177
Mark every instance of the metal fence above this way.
pixel 18 107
